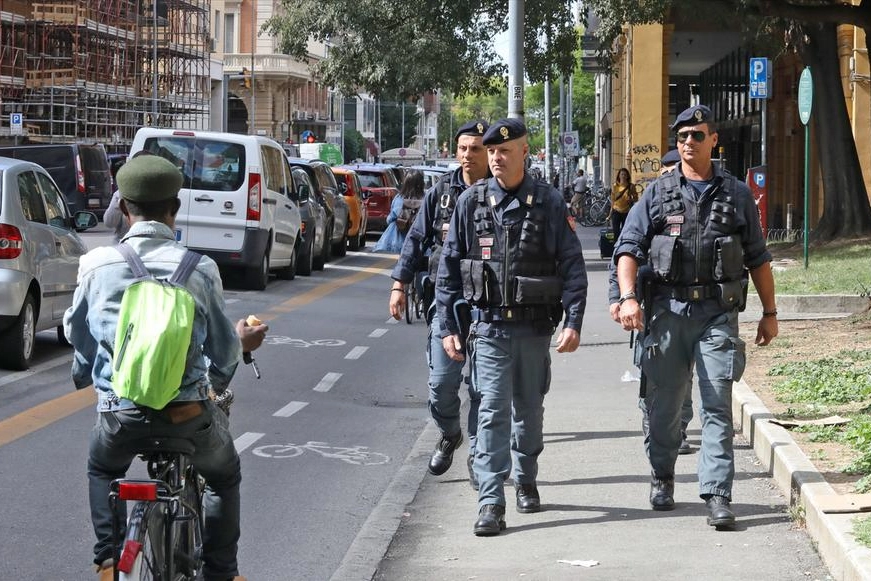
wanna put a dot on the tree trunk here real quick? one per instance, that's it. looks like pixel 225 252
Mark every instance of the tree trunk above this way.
pixel 846 209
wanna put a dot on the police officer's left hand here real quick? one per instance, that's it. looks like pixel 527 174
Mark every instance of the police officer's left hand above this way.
pixel 766 331
pixel 397 301
pixel 568 341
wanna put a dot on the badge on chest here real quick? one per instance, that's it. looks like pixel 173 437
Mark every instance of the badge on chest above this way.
pixel 674 223
pixel 486 244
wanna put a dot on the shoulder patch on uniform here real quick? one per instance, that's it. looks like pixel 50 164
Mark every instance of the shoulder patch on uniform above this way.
pixel 676 219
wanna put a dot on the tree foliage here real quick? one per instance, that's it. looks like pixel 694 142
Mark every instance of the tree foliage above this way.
pixel 407 48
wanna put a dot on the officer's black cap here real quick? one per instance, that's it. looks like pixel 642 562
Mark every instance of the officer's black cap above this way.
pixel 693 116
pixel 671 157
pixel 504 130
pixel 476 128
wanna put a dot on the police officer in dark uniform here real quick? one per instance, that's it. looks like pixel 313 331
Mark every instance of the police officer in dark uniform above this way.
pixel 512 253
pixel 699 230
pixel 427 234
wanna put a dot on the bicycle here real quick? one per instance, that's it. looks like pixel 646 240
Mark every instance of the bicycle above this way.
pixel 597 207
pixel 414 303
pixel 164 537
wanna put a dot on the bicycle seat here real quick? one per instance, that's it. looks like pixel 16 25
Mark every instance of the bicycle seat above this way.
pixel 164 445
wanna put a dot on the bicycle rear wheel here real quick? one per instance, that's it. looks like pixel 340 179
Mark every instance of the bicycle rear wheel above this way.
pixel 146 526
pixel 189 529
pixel 409 302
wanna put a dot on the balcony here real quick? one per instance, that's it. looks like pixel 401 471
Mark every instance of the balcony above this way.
pixel 281 66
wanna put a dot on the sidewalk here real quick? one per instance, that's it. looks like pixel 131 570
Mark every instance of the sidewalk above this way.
pixel 594 484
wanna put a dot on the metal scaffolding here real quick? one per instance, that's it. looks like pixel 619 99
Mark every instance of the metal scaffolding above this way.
pixel 84 70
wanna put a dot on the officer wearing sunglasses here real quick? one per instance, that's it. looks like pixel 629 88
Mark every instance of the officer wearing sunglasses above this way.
pixel 698 229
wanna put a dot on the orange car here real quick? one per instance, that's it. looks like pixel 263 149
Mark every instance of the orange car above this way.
pixel 358 218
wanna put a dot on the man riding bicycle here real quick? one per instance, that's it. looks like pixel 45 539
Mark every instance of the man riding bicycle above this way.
pixel 149 187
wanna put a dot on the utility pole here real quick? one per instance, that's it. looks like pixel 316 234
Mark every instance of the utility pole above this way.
pixel 153 63
pixel 515 59
pixel 548 152
pixel 253 50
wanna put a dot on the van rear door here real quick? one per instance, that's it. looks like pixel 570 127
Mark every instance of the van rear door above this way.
pixel 97 176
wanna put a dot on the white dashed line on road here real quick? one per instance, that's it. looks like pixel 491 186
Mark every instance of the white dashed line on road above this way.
pixel 390 321
pixel 378 333
pixel 326 384
pixel 290 409
pixel 356 352
pixel 246 440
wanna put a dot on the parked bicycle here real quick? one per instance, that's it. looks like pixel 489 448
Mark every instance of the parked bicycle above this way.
pixel 164 538
pixel 414 299
pixel 596 208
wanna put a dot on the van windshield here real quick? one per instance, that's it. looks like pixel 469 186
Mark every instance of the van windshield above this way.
pixel 370 180
pixel 207 164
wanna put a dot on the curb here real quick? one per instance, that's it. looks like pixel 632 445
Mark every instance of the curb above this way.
pixel 802 484
pixel 793 304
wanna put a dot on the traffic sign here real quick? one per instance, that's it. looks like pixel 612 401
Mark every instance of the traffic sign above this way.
pixel 571 147
pixel 16 124
pixel 805 95
pixel 759 78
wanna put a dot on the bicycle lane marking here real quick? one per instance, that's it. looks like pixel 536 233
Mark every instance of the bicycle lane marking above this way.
pixel 327 383
pixel 290 409
pixel 46 413
pixel 378 333
pixel 246 440
pixel 356 352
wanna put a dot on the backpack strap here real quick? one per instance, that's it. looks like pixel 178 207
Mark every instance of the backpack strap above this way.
pixel 133 260
pixel 188 264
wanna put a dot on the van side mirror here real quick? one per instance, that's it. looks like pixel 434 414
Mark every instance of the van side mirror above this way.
pixel 303 194
pixel 84 221
pixel 343 187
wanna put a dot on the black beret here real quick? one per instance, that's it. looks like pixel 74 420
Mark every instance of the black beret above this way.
pixel 476 128
pixel 692 116
pixel 671 157
pixel 148 178
pixel 504 130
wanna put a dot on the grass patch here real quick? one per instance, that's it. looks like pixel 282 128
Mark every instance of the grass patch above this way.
pixel 862 530
pixel 842 379
pixel 839 267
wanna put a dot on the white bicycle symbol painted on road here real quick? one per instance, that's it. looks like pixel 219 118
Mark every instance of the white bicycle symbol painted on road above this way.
pixel 281 340
pixel 359 455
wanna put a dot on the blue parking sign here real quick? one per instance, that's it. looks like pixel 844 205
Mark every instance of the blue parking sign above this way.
pixel 759 78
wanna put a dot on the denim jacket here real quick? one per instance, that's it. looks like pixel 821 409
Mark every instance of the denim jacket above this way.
pixel 90 322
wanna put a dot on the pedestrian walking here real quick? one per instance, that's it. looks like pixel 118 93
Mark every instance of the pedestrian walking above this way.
pixel 698 228
pixel 579 189
pixel 423 245
pixel 403 209
pixel 512 254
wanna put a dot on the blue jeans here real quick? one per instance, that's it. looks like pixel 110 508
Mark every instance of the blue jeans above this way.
pixel 512 376
pixel 667 355
pixel 445 377
pixel 215 458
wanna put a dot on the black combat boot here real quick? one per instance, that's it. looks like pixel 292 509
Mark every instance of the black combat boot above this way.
pixel 528 499
pixel 662 494
pixel 720 513
pixel 443 456
pixel 491 520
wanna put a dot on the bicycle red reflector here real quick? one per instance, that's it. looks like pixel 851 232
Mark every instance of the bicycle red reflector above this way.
pixel 137 491
pixel 128 556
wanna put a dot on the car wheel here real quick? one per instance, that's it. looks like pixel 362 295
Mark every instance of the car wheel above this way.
pixel 362 237
pixel 289 271
pixel 328 244
pixel 16 342
pixel 341 247
pixel 306 258
pixel 256 277
pixel 354 243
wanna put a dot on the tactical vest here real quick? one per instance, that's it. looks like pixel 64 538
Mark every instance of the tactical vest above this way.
pixel 686 250
pixel 510 266
pixel 446 201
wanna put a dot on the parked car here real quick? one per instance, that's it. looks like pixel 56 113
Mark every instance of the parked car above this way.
pixel 328 193
pixel 237 203
pixel 380 187
pixel 352 190
pixel 314 249
pixel 39 258
pixel 80 170
pixel 431 174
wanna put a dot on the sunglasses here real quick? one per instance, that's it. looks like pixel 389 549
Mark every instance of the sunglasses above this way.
pixel 699 136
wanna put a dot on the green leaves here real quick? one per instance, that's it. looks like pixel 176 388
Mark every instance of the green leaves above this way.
pixel 842 379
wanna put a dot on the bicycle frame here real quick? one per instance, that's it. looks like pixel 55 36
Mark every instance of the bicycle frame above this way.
pixel 173 481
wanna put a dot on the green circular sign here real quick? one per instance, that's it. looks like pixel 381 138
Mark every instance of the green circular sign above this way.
pixel 805 95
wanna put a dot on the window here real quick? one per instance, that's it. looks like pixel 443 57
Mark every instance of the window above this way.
pixel 209 165
pixel 273 169
pixel 216 33
pixel 54 202
pixel 229 33
pixel 31 199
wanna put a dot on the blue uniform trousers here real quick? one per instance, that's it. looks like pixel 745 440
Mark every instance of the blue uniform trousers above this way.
pixel 445 378
pixel 512 375
pixel 666 356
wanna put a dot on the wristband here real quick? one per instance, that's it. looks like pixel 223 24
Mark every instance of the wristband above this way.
pixel 769 313
pixel 397 290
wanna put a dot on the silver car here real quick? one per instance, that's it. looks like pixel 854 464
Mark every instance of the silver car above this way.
pixel 39 258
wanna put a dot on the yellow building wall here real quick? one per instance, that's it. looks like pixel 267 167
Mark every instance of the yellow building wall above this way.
pixel 649 89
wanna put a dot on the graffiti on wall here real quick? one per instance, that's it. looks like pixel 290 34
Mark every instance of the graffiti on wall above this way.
pixel 645 163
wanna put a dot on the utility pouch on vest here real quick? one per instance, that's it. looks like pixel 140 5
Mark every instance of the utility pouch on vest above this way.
pixel 537 290
pixel 665 257
pixel 729 259
pixel 731 295
pixel 476 280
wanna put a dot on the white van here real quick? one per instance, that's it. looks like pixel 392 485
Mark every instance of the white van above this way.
pixel 238 202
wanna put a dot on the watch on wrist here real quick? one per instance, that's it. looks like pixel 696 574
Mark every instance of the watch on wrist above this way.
pixel 626 296
pixel 769 313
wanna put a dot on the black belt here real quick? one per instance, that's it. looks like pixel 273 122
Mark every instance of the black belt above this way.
pixel 698 292
pixel 517 314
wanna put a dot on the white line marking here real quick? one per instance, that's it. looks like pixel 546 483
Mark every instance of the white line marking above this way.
pixel 391 321
pixel 356 352
pixel 378 333
pixel 327 382
pixel 45 366
pixel 245 440
pixel 290 409
pixel 230 301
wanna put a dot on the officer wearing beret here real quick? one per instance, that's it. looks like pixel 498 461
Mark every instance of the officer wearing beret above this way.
pixel 427 235
pixel 149 187
pixel 698 229
pixel 512 254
